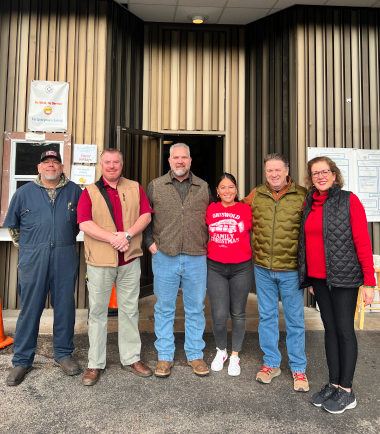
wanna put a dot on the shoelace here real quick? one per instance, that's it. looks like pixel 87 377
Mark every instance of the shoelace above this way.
pixel 338 394
pixel 266 370
pixel 300 377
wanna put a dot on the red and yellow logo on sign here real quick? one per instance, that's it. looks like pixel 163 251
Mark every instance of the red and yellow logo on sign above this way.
pixel 48 110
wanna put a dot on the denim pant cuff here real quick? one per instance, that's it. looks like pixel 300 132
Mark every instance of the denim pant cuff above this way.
pixel 68 356
pixel 195 357
pixel 165 358
pixel 298 371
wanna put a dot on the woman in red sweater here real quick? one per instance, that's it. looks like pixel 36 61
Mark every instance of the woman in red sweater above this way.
pixel 334 260
pixel 229 270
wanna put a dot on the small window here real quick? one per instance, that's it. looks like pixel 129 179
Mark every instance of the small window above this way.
pixel 25 156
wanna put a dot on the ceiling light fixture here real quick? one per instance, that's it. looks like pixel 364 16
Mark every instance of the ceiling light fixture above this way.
pixel 197 18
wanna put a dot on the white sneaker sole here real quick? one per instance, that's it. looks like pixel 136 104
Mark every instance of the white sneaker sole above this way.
pixel 349 407
pixel 218 368
pixel 234 374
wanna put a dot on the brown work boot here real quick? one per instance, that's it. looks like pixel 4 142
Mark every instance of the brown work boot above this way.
pixel 300 382
pixel 91 376
pixel 266 374
pixel 138 368
pixel 163 368
pixel 199 367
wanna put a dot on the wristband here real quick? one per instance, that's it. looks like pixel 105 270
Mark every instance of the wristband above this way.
pixel 366 286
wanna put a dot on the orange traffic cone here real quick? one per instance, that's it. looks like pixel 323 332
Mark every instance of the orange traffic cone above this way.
pixel 4 340
pixel 113 299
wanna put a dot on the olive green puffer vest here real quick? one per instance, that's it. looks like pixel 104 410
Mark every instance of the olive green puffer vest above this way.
pixel 276 227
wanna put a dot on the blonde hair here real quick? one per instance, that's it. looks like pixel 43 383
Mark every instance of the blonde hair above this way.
pixel 111 151
pixel 333 167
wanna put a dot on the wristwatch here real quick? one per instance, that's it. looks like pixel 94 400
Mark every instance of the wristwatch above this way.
pixel 128 237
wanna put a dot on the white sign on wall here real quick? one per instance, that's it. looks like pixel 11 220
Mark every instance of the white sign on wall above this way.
pixel 85 153
pixel 83 174
pixel 361 172
pixel 48 106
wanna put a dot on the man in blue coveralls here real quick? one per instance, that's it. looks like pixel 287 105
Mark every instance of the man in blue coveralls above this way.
pixel 42 221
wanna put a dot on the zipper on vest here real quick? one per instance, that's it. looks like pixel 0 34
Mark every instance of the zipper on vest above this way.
pixel 274 221
pixel 182 214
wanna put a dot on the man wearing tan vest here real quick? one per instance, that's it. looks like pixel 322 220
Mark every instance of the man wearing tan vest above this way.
pixel 112 214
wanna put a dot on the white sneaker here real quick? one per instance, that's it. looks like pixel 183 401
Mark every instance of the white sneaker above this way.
pixel 220 358
pixel 234 366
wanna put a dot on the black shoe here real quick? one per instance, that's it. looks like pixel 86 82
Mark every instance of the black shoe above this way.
pixel 320 397
pixel 340 401
pixel 17 375
pixel 68 365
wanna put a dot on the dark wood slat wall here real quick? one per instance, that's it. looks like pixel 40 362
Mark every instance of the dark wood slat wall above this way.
pixel 326 60
pixel 124 81
pixel 76 41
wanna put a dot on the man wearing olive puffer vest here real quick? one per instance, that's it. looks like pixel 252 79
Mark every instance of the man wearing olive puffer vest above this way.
pixel 277 209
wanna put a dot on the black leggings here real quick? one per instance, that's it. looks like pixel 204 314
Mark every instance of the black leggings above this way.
pixel 228 286
pixel 337 311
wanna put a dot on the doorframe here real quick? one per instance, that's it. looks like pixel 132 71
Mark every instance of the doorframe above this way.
pixel 160 136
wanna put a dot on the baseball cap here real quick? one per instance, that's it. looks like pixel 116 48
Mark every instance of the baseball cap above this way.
pixel 51 154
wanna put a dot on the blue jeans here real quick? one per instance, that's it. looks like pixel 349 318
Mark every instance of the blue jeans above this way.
pixel 170 273
pixel 269 284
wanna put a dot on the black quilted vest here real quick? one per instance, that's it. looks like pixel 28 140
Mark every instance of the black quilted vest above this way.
pixel 342 264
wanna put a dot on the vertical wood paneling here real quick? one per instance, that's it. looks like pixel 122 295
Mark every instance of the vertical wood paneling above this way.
pixel 191 77
pixel 183 82
pixel 67 41
pixel 337 81
pixel 206 76
pixel 173 81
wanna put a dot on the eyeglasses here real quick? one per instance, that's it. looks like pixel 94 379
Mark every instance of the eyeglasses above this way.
pixel 324 173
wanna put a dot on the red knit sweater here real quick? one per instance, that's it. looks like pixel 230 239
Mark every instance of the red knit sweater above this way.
pixel 315 252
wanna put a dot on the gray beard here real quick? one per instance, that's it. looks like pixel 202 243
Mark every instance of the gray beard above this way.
pixel 52 177
pixel 180 172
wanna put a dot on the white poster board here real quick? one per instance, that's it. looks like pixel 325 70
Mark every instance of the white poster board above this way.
pixel 85 153
pixel 361 172
pixel 84 175
pixel 48 106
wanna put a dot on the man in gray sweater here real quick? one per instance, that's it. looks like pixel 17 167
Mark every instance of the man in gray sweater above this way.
pixel 177 239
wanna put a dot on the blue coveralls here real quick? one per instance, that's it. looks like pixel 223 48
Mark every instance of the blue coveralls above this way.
pixel 48 260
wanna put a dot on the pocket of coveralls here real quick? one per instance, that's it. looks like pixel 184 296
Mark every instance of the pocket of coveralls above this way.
pixel 30 217
pixel 72 214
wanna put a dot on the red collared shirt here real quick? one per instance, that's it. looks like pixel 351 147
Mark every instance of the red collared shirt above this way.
pixel 84 210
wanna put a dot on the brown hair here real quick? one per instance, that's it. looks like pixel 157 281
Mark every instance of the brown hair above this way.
pixel 333 167
pixel 111 151
pixel 276 156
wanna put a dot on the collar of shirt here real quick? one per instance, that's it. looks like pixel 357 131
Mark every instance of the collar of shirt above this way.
pixel 283 190
pixel 107 185
pixel 189 178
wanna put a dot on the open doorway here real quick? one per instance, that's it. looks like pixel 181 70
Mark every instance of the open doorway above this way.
pixel 206 153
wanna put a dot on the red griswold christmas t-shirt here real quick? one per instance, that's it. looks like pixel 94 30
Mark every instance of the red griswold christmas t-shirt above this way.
pixel 229 229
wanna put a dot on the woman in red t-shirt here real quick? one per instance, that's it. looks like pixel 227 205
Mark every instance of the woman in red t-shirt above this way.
pixel 229 269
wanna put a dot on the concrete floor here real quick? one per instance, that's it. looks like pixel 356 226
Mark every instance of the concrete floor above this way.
pixel 48 402
pixel 146 321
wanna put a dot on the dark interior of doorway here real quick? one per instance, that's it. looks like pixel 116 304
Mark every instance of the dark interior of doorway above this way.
pixel 206 153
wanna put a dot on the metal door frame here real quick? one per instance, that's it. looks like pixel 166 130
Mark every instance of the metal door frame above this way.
pixel 147 289
pixel 159 136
